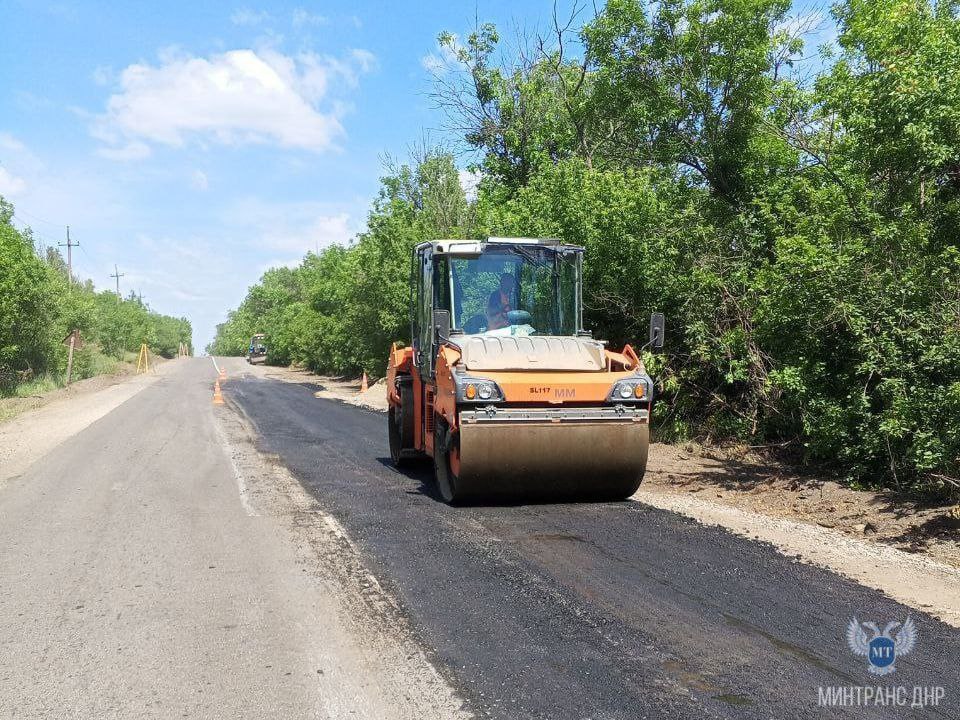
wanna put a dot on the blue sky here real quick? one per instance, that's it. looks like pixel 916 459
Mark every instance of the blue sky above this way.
pixel 196 144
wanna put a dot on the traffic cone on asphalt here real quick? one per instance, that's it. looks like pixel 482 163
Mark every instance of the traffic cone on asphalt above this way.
pixel 363 384
pixel 223 374
pixel 217 394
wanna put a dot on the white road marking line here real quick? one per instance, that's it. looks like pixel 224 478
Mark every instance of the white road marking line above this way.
pixel 237 474
pixel 217 367
pixel 339 532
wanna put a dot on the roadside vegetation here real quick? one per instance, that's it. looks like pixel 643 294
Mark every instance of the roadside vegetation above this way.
pixel 40 305
pixel 794 212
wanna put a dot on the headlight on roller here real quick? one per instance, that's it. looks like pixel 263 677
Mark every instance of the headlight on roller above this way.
pixel 477 390
pixel 639 388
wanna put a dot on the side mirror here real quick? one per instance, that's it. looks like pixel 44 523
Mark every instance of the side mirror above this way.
pixel 656 331
pixel 441 324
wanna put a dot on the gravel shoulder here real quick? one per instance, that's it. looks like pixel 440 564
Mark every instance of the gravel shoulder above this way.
pixel 767 488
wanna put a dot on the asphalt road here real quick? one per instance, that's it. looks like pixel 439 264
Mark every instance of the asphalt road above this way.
pixel 590 610
pixel 135 582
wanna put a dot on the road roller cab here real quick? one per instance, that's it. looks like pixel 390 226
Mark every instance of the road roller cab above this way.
pixel 257 350
pixel 502 386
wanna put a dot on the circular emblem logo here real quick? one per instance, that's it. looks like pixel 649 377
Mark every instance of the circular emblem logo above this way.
pixel 881 652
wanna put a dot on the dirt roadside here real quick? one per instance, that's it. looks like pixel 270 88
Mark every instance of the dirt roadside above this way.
pixel 762 486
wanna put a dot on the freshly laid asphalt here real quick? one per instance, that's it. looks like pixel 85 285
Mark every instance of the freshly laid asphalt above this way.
pixel 594 611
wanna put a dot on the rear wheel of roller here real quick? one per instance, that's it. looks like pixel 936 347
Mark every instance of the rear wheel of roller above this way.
pixel 396 456
pixel 446 463
pixel 400 428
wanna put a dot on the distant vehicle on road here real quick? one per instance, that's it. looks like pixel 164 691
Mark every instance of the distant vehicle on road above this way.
pixel 257 352
pixel 503 387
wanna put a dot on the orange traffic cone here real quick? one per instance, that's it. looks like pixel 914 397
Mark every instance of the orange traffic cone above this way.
pixel 363 384
pixel 223 374
pixel 217 394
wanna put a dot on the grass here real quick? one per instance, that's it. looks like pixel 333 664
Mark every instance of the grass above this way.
pixel 37 386
pixel 23 397
pixel 89 362
pixel 101 364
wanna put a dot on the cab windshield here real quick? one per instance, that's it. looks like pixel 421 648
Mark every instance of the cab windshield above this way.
pixel 512 291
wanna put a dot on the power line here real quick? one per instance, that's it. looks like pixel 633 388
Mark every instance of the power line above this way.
pixel 21 211
pixel 18 214
pixel 34 235
pixel 46 242
pixel 42 242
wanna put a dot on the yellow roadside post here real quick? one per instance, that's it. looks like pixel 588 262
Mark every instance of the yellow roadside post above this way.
pixel 143 359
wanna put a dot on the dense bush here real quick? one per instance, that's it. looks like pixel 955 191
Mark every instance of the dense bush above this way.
pixel 801 236
pixel 40 305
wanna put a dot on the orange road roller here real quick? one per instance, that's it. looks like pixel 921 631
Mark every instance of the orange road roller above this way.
pixel 504 389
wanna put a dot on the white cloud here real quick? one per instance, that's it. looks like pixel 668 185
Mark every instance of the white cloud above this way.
pixel 240 96
pixel 10 184
pixel 347 70
pixel 292 228
pixel 134 150
pixel 443 60
pixel 103 75
pixel 11 181
pixel 433 64
pixel 321 232
pixel 303 18
pixel 246 17
pixel 199 180
pixel 365 59
pixel 31 102
pixel 58 193
pixel 10 143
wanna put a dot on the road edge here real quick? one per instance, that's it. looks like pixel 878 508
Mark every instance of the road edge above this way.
pixel 914 580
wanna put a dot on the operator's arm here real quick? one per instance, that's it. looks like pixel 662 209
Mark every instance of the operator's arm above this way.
pixel 496 312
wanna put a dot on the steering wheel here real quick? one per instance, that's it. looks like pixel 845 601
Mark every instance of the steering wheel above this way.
pixel 518 317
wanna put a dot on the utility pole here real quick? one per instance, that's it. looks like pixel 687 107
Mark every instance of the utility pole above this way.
pixel 69 245
pixel 117 274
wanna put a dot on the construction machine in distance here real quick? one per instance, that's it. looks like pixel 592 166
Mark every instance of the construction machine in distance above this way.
pixel 503 387
pixel 257 351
